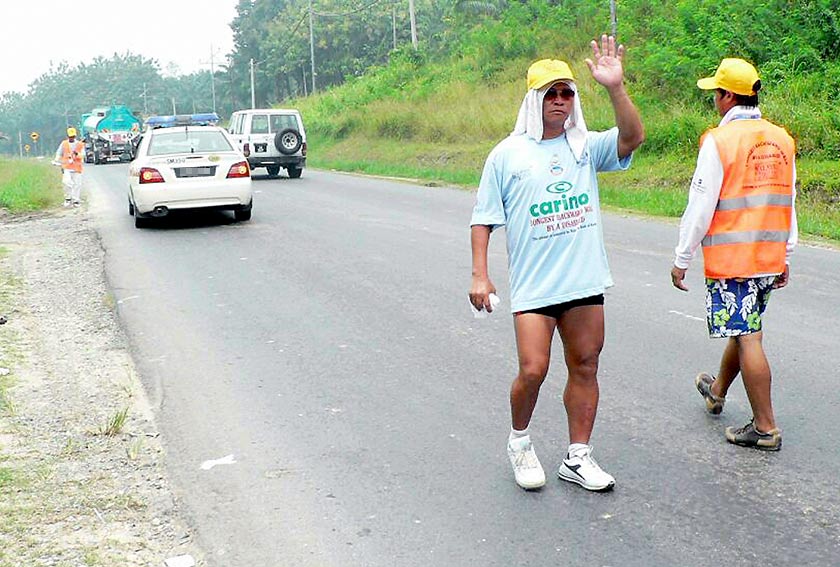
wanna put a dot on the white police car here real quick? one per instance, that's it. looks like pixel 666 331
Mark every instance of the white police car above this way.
pixel 187 162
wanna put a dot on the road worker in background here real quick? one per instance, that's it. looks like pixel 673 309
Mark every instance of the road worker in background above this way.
pixel 70 155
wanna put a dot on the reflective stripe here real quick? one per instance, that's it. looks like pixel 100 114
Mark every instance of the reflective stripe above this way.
pixel 746 237
pixel 766 200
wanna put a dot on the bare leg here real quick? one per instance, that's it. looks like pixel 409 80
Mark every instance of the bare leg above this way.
pixel 730 367
pixel 582 331
pixel 533 344
pixel 755 371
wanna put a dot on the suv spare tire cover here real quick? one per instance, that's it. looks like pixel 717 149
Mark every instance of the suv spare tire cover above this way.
pixel 287 141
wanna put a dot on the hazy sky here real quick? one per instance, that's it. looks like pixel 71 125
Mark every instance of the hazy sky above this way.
pixel 36 33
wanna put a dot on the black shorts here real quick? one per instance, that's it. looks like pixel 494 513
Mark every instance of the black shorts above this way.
pixel 558 309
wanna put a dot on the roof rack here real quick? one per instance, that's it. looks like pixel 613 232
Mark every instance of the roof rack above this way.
pixel 200 119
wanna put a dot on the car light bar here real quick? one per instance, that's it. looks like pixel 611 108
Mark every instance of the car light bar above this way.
pixel 200 119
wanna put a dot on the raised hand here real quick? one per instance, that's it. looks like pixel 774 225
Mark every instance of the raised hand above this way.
pixel 606 63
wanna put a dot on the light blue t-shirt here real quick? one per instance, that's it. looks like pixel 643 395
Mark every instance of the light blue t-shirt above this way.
pixel 549 205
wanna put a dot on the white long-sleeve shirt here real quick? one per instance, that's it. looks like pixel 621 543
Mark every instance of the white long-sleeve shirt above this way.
pixel 704 193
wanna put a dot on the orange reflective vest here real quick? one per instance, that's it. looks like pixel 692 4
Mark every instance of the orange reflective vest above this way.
pixel 751 225
pixel 72 155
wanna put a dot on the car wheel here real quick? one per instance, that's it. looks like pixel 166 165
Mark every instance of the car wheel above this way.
pixel 242 214
pixel 294 172
pixel 130 208
pixel 273 170
pixel 287 141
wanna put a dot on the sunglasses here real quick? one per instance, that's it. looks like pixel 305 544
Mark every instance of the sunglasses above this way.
pixel 553 93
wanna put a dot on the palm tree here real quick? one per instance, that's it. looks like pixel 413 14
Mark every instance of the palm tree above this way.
pixel 483 7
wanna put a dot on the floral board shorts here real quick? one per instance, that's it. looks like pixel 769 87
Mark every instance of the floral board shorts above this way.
pixel 734 306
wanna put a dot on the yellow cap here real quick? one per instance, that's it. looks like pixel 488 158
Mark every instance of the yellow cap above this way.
pixel 71 132
pixel 734 75
pixel 547 71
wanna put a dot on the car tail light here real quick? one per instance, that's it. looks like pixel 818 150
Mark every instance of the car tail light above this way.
pixel 150 175
pixel 303 149
pixel 240 169
pixel 246 150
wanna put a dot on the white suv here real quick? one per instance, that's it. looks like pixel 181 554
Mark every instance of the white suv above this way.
pixel 271 138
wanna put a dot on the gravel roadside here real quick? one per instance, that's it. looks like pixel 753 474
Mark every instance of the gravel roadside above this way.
pixel 82 478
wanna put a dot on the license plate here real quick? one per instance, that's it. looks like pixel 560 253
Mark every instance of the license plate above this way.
pixel 195 171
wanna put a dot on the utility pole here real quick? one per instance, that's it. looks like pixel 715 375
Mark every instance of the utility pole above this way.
pixel 253 94
pixel 145 106
pixel 312 46
pixel 212 75
pixel 613 19
pixel 414 23
pixel 212 78
pixel 394 23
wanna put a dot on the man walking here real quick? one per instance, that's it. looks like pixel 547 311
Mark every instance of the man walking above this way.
pixel 70 155
pixel 540 183
pixel 741 209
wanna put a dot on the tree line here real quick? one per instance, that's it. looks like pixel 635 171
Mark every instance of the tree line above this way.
pixel 292 48
pixel 273 43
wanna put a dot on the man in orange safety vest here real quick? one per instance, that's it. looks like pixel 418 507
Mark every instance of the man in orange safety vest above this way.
pixel 70 156
pixel 741 210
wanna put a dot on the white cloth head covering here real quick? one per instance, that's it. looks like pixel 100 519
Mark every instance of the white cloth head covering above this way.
pixel 530 119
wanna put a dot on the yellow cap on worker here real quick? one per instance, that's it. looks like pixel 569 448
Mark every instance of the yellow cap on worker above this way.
pixel 547 71
pixel 733 75
pixel 71 132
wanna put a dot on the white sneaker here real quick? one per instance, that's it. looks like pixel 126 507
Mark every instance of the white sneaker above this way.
pixel 580 467
pixel 67 202
pixel 527 469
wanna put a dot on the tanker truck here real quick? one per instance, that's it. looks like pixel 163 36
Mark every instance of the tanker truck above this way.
pixel 108 133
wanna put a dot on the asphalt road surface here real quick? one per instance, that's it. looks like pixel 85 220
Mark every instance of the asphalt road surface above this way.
pixel 327 398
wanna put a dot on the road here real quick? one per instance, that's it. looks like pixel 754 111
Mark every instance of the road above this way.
pixel 326 348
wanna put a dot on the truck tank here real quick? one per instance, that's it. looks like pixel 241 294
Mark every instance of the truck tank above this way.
pixel 89 122
pixel 88 132
pixel 111 132
pixel 118 119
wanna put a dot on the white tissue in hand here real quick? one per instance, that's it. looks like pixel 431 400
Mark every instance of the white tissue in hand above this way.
pixel 494 302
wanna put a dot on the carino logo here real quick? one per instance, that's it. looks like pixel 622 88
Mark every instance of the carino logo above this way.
pixel 559 187
pixel 562 204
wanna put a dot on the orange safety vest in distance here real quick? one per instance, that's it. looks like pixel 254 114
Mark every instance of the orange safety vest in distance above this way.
pixel 751 225
pixel 72 155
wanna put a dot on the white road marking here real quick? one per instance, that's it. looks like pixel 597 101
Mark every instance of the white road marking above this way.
pixel 227 460
pixel 686 315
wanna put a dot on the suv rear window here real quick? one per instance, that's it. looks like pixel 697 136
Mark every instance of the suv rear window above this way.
pixel 259 124
pixel 282 121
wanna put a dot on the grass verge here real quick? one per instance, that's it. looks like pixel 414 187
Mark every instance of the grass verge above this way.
pixel 9 351
pixel 655 185
pixel 28 185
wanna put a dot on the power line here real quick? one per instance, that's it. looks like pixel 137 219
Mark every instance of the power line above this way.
pixel 351 12
pixel 310 12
